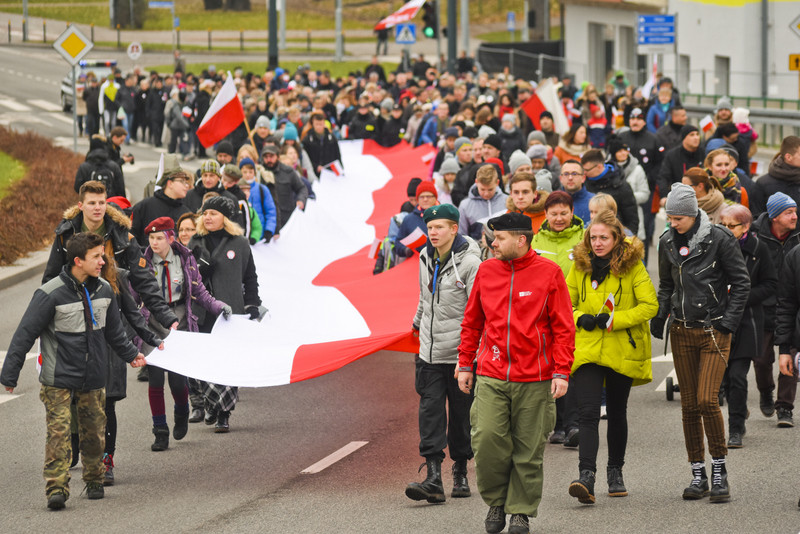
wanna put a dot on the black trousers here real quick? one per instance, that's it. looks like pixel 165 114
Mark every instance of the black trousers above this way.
pixel 439 394
pixel 588 383
pixel 735 384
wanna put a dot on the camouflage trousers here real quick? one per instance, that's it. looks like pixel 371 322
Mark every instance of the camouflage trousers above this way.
pixel 91 415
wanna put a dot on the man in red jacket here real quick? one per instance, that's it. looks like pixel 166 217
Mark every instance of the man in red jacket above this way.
pixel 518 331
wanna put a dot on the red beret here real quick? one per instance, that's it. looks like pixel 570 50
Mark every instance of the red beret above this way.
pixel 159 225
pixel 427 187
pixel 497 162
pixel 122 202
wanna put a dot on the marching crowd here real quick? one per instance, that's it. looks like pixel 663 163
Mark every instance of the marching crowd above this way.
pixel 536 310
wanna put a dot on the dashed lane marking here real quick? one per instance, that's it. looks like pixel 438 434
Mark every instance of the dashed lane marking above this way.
pixel 45 105
pixel 333 458
pixel 59 117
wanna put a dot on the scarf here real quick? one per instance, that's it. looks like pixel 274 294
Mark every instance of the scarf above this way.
pixel 780 170
pixel 731 188
pixel 600 269
pixel 711 202
pixel 573 149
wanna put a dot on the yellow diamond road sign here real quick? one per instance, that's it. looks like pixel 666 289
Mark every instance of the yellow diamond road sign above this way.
pixel 73 45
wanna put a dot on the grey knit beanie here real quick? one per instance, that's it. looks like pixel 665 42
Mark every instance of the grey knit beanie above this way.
pixel 517 160
pixel 485 131
pixel 537 135
pixel 682 200
pixel 544 180
pixel 449 165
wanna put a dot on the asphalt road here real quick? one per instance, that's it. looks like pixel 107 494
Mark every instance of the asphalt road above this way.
pixel 250 480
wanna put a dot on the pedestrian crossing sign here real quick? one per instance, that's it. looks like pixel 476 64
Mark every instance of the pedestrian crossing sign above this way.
pixel 73 45
pixel 405 34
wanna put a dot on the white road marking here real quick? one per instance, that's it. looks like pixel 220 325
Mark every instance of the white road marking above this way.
pixel 7 397
pixel 12 104
pixel 45 105
pixel 333 458
pixel 663 385
pixel 59 117
pixel 663 358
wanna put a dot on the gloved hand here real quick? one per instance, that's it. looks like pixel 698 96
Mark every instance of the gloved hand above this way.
pixel 227 311
pixel 601 320
pixel 719 326
pixel 252 241
pixel 587 322
pixel 267 236
pixel 657 327
pixel 256 312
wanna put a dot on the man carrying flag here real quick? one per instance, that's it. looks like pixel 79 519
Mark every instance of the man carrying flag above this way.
pixel 321 146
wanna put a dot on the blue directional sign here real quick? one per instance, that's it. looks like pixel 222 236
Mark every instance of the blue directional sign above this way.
pixel 511 21
pixel 656 30
pixel 405 34
pixel 160 4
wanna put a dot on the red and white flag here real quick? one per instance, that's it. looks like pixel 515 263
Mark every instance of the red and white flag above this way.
pixel 706 123
pixel 224 115
pixel 404 14
pixel 545 98
pixel 609 304
pixel 415 239
pixel 335 167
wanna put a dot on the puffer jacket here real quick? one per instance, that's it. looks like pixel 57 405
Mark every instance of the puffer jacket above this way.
pixel 535 211
pixel 558 246
pixel 441 309
pixel 637 179
pixel 626 348
pixel 787 315
pixel 694 287
pixel 74 353
pixel 778 250
pixel 612 182
pixel 518 322
pixel 475 208
pixel 747 341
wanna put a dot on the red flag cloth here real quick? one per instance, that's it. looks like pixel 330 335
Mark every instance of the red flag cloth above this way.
pixel 534 107
pixel 404 14
pixel 224 115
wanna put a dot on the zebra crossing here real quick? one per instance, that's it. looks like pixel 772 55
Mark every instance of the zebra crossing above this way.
pixel 31 111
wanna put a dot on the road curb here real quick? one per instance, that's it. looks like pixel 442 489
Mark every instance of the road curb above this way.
pixel 24 269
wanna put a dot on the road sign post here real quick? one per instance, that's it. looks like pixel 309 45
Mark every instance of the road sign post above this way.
pixel 656 34
pixel 794 64
pixel 511 24
pixel 73 45
pixel 405 34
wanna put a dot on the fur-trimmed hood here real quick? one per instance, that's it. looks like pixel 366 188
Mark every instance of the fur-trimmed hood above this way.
pixel 111 212
pixel 536 207
pixel 633 253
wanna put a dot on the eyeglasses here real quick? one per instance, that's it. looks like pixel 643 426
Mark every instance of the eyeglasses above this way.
pixel 571 174
pixel 183 181
pixel 731 226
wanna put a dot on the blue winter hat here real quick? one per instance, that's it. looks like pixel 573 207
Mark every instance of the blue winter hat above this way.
pixel 778 203
pixel 290 132
pixel 247 161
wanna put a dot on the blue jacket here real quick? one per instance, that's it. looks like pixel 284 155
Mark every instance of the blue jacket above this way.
pixel 261 200
pixel 580 202
pixel 412 221
pixel 430 132
pixel 657 117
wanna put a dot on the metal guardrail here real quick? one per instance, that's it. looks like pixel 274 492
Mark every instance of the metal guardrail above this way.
pixel 772 125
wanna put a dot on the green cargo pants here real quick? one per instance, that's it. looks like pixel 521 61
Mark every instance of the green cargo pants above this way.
pixel 90 407
pixel 510 422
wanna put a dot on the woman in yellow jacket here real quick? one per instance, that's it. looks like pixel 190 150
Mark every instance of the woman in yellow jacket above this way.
pixel 612 300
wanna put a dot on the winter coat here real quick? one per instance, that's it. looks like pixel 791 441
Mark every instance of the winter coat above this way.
pixel 289 188
pixel 363 127
pixel 645 147
pixel 558 246
pixel 74 353
pixel 465 179
pixel 787 315
pixel 474 209
pixel 580 204
pixel 565 152
pixel 780 177
pixel 228 269
pixel 676 162
pixel 392 132
pixel 151 208
pixel 612 182
pixel 747 340
pixel 535 211
pixel 321 149
pixel 669 135
pixel 778 251
pixel 439 317
pixel 98 166
pixel 194 198
pixel 657 117
pixel 411 222
pixel 518 322
pixel 443 190
pixel 194 291
pixel 154 105
pixel 695 286
pixel 127 254
pixel 636 178
pixel 626 348
pixel 264 206
pixel 511 140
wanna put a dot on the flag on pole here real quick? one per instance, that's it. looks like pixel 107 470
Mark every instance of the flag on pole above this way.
pixel 415 239
pixel 335 167
pixel 545 98
pixel 404 14
pixel 224 115
pixel 706 123
pixel 647 88
pixel 609 304
pixel 373 249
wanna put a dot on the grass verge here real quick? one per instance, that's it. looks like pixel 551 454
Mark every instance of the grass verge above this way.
pixel 11 170
pixel 258 67
pixel 33 204
pixel 167 47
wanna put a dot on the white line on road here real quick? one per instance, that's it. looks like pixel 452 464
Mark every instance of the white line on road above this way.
pixel 663 358
pixel 45 105
pixel 12 104
pixel 6 398
pixel 59 117
pixel 663 385
pixel 331 459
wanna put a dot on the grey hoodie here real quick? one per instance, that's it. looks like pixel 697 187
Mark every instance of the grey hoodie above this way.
pixel 474 209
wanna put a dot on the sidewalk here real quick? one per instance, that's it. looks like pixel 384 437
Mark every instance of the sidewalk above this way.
pixel 23 269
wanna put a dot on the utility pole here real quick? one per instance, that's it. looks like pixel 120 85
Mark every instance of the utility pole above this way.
pixel 451 36
pixel 282 22
pixel 272 55
pixel 339 56
pixel 465 25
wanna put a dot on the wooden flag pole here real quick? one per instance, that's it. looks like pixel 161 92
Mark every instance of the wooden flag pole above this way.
pixel 250 136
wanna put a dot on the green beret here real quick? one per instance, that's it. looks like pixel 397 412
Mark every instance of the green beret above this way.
pixel 442 211
pixel 511 222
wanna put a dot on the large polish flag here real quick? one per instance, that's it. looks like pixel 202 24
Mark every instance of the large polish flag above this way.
pixel 545 98
pixel 404 14
pixel 326 308
pixel 223 116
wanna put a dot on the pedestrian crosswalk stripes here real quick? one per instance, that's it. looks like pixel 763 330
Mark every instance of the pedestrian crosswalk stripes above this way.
pixel 45 105
pixel 13 104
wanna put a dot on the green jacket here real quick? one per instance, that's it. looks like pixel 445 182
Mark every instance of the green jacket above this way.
pixel 626 349
pixel 557 246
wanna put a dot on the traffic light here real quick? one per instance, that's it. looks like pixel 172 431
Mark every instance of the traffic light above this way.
pixel 431 21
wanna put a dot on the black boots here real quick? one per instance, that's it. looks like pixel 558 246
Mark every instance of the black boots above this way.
pixel 222 425
pixel 76 449
pixel 198 414
pixel 162 438
pixel 719 481
pixel 583 488
pixel 699 486
pixel 430 489
pixel 767 404
pixel 181 425
pixel 460 483
pixel 616 486
pixel 211 416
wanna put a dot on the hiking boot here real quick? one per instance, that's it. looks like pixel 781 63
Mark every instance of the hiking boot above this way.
pixel 558 437
pixel 785 418
pixel 460 482
pixel 767 404
pixel 108 463
pixel 142 375
pixel 222 425
pixel 583 488
pixel 76 449
pixel 573 438
pixel 94 490
pixel 519 524
pixel 495 520
pixel 211 417
pixel 699 485
pixel 162 438
pixel 719 482
pixel 56 500
pixel 181 425
pixel 735 441
pixel 431 489
pixel 616 486
pixel 198 414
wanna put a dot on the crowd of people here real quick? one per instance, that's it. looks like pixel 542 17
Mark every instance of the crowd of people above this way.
pixel 536 309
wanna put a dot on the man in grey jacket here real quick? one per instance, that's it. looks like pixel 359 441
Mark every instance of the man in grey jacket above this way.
pixel 447 268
